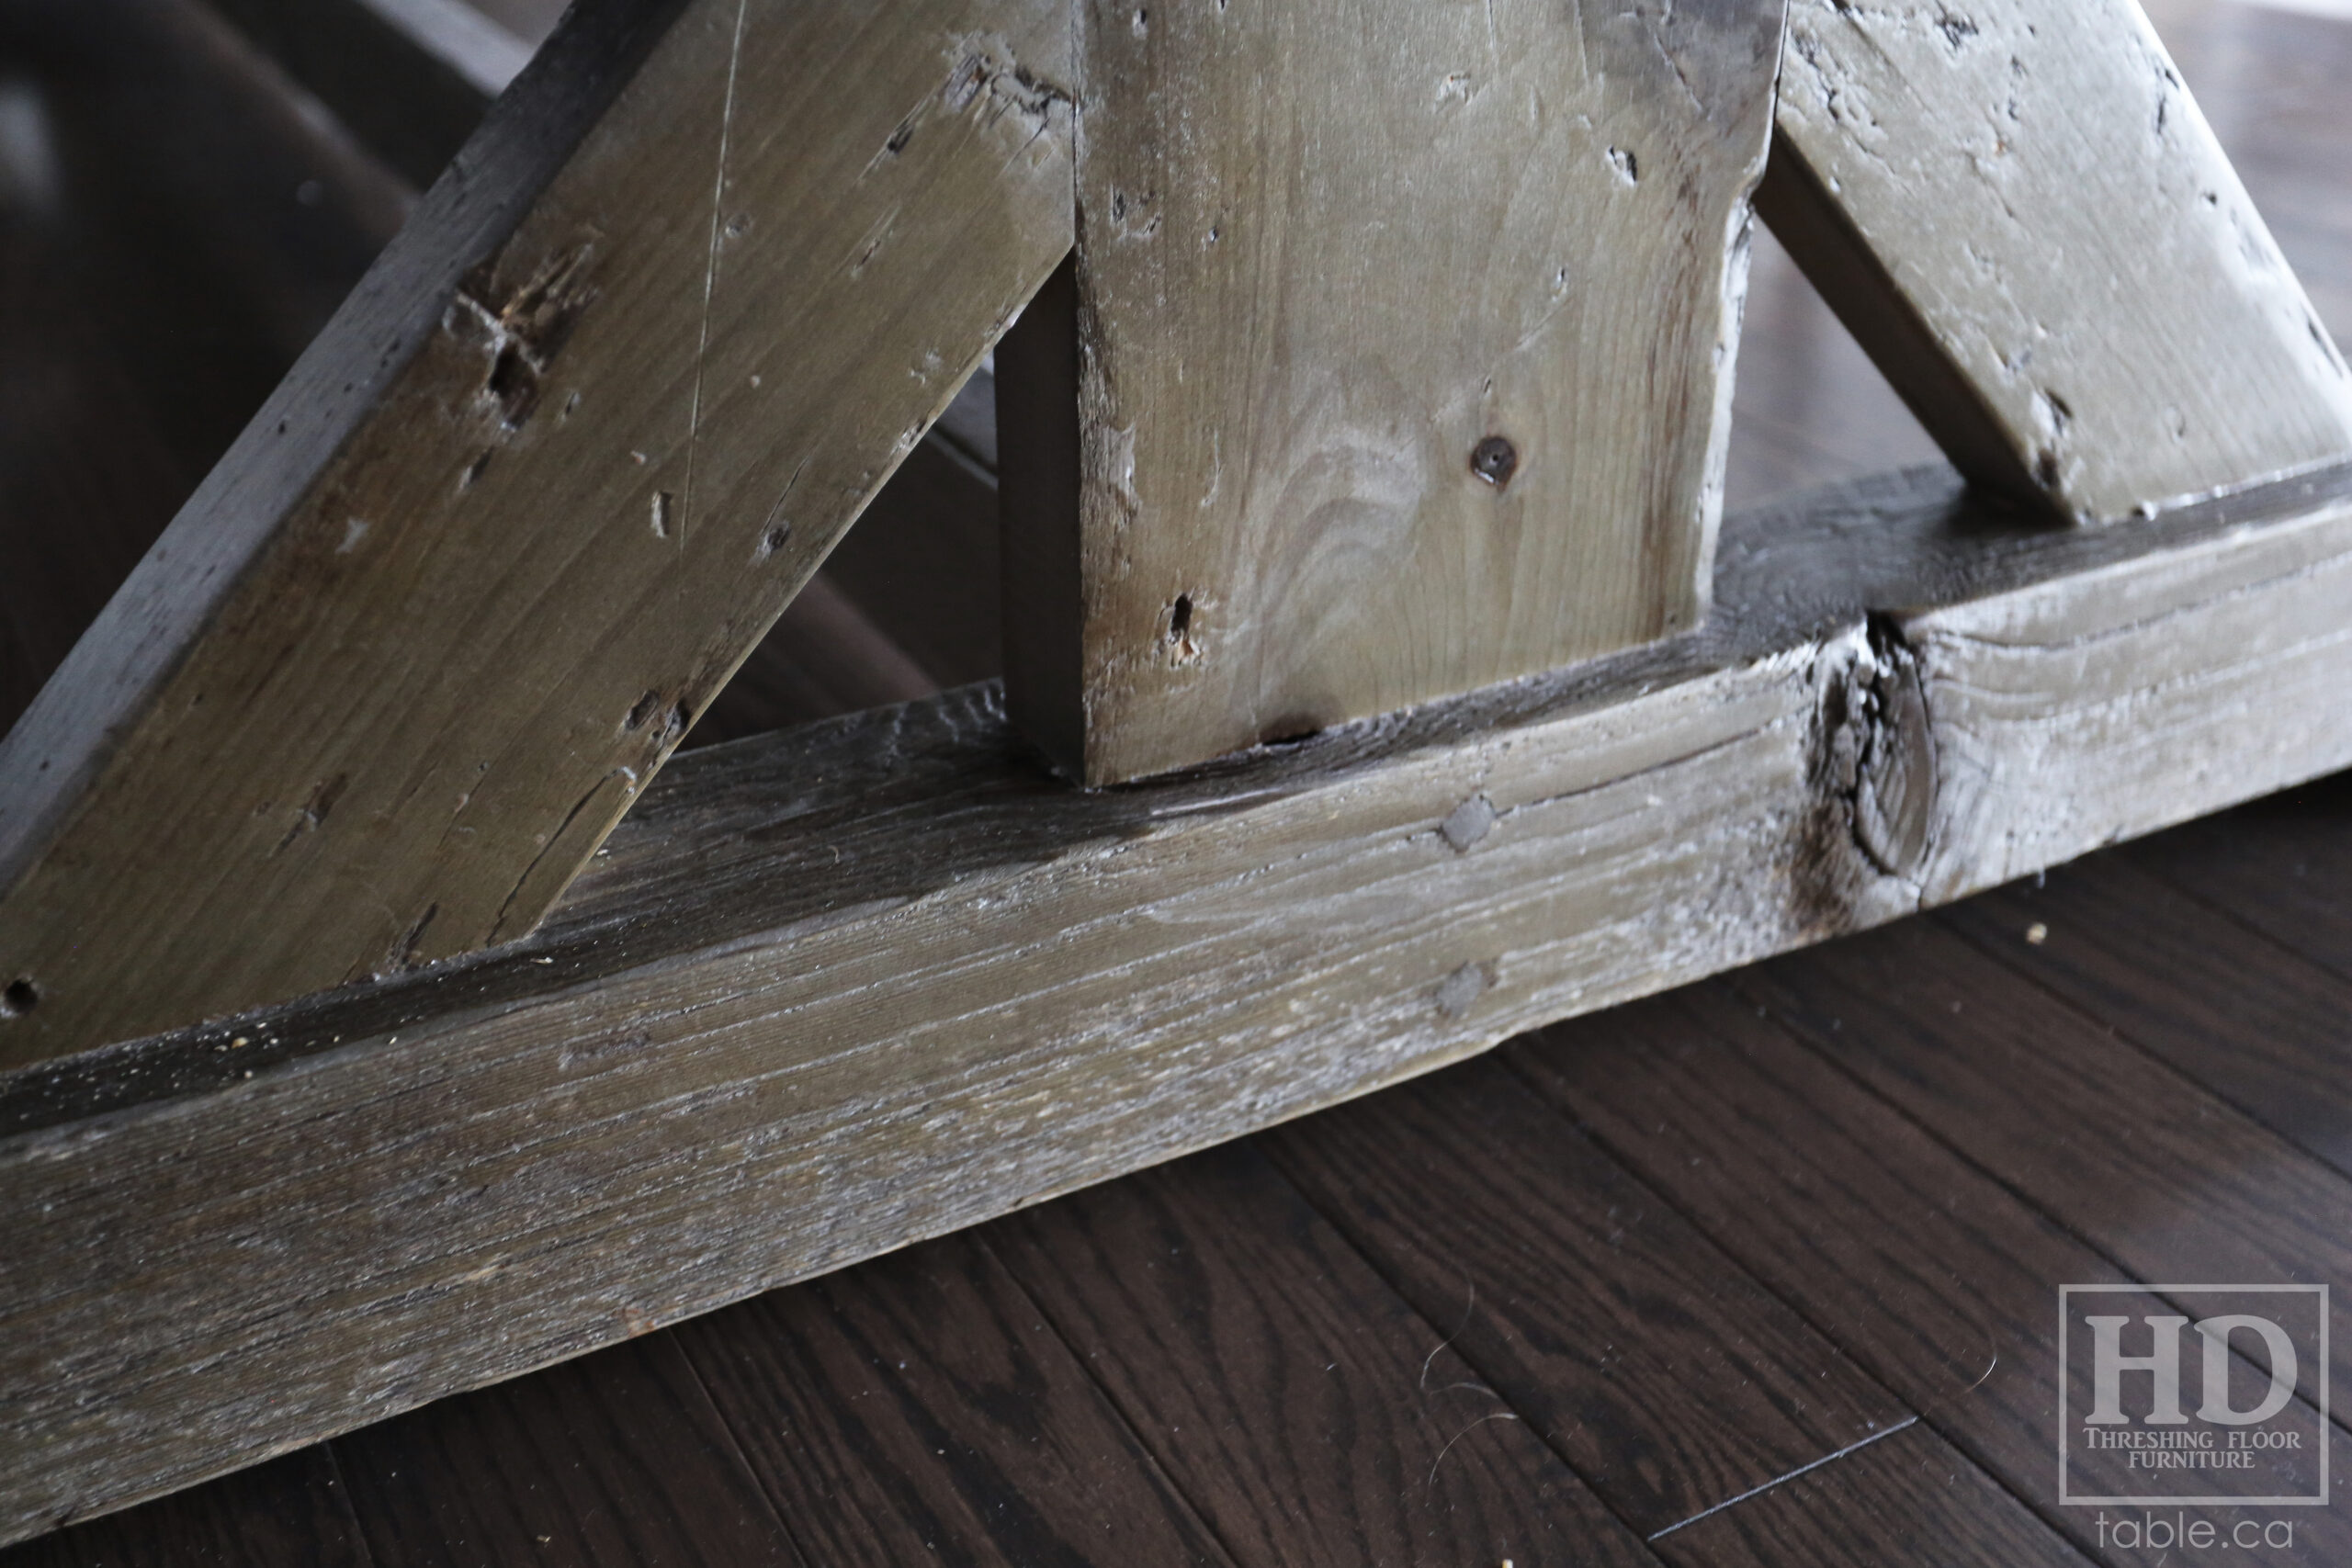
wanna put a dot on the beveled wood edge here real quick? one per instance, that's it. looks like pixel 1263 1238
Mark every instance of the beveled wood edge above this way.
pixel 1788 573
pixel 906 981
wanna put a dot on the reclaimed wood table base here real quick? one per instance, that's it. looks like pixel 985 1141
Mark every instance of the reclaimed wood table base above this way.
pixel 712 1072
pixel 345 1071
pixel 1352 1340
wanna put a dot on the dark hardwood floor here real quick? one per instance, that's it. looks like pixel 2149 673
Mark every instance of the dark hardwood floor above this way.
pixel 1761 1271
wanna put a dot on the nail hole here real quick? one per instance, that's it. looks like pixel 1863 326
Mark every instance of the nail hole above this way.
pixel 1181 649
pixel 19 998
pixel 1494 460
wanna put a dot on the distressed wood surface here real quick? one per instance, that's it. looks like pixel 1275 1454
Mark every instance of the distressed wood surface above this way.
pixel 833 990
pixel 1405 368
pixel 2018 209
pixel 423 635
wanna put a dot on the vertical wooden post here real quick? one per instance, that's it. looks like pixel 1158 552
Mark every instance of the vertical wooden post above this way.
pixel 1403 339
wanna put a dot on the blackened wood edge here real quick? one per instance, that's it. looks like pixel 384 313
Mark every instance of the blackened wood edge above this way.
pixel 831 991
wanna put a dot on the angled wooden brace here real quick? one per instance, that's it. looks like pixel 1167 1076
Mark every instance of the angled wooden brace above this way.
pixel 2016 209
pixel 645 350
pixel 841 987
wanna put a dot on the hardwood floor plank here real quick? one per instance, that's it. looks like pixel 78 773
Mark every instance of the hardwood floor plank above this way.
pixel 2283 866
pixel 918 1408
pixel 1935 1278
pixel 1910 1500
pixel 1311 1414
pixel 2255 1024
pixel 2121 1149
pixel 290 1513
pixel 1600 1313
pixel 616 1460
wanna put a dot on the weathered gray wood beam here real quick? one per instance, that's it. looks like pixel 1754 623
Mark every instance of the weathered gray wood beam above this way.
pixel 706 275
pixel 828 991
pixel 1407 334
pixel 2018 210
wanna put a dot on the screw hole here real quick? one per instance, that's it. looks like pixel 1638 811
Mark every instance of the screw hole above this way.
pixel 19 998
pixel 1495 459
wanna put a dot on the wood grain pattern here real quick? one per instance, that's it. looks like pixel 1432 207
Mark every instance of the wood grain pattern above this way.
pixel 1596 1310
pixel 2019 211
pixel 2280 866
pixel 613 1460
pixel 1326 251
pixel 1312 1415
pixel 831 991
pixel 919 1408
pixel 424 633
pixel 2116 1147
pixel 1908 1500
pixel 2251 1022
pixel 1929 1272
pixel 292 1512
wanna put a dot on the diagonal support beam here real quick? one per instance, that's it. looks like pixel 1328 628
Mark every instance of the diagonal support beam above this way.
pixel 2017 210
pixel 674 316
